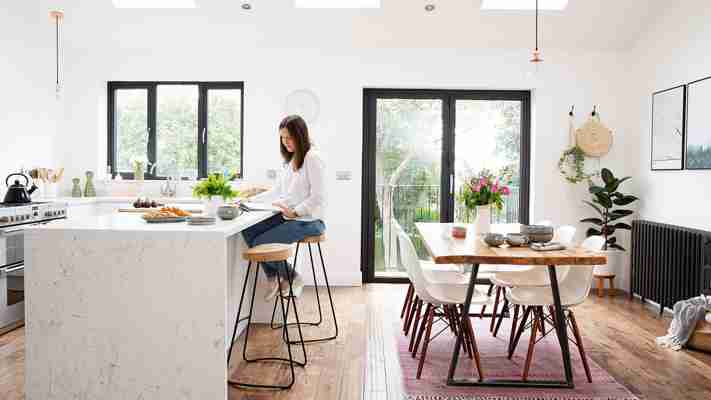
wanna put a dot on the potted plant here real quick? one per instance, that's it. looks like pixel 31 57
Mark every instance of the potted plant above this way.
pixel 607 199
pixel 215 190
pixel 482 192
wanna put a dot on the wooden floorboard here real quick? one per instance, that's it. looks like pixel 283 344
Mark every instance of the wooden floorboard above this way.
pixel 362 363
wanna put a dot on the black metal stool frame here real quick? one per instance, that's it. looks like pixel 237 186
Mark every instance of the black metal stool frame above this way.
pixel 318 300
pixel 290 360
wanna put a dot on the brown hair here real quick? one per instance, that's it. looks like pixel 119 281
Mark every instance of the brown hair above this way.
pixel 296 126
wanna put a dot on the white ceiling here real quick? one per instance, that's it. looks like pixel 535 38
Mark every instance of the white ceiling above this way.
pixel 585 24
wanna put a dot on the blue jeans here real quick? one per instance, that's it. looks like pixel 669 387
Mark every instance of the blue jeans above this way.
pixel 278 230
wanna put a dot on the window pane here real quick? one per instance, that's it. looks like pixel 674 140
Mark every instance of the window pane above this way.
pixel 131 127
pixel 177 124
pixel 224 114
pixel 488 136
pixel 408 169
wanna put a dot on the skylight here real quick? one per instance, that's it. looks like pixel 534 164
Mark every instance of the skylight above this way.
pixel 337 3
pixel 517 5
pixel 154 3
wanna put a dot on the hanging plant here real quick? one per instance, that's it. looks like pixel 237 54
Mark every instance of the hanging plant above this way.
pixel 572 166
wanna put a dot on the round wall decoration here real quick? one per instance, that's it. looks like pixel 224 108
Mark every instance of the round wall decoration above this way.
pixel 594 138
pixel 303 102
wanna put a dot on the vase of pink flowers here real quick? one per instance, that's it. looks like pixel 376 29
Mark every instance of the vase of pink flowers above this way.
pixel 483 193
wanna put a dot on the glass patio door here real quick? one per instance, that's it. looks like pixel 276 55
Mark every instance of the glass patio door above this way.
pixel 408 169
pixel 487 136
pixel 418 145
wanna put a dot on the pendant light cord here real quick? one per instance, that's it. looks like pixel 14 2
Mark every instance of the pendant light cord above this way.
pixel 536 25
pixel 57 45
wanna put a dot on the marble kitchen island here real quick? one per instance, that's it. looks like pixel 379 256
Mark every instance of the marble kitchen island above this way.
pixel 120 309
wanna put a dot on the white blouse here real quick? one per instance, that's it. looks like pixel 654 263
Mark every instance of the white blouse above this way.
pixel 304 190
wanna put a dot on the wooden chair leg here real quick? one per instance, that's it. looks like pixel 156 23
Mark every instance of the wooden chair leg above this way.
pixel 410 316
pixel 427 321
pixel 579 341
pixel 475 348
pixel 519 331
pixel 494 311
pixel 415 321
pixel 611 291
pixel 531 345
pixel 420 332
pixel 600 286
pixel 512 335
pixel 408 301
pixel 483 308
pixel 542 320
pixel 463 331
pixel 501 316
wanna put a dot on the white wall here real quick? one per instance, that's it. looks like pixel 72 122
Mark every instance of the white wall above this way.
pixel 28 108
pixel 675 50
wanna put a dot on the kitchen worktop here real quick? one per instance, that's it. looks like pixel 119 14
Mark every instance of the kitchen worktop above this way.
pixel 72 201
pixel 132 222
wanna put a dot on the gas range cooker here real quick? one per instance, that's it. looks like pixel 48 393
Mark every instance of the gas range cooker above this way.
pixel 29 213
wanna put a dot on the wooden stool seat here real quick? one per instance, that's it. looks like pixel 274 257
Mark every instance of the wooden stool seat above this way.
pixel 601 283
pixel 269 252
pixel 314 239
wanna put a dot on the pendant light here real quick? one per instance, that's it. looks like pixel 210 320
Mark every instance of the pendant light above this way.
pixel 536 60
pixel 56 17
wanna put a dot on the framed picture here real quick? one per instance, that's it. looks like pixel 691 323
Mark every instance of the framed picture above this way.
pixel 698 124
pixel 668 124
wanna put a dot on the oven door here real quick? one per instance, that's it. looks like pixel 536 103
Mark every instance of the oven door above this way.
pixel 15 284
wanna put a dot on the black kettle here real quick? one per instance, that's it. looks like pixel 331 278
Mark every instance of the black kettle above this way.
pixel 18 193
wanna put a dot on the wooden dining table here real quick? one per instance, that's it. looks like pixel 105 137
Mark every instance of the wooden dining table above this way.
pixel 446 249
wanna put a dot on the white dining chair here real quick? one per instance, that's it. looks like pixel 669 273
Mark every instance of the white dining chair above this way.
pixel 437 273
pixel 442 300
pixel 573 288
pixel 524 277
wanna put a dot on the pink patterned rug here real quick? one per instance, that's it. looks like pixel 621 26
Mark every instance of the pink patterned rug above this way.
pixel 547 364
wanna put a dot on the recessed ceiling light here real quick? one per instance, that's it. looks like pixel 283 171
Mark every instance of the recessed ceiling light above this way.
pixel 154 3
pixel 246 5
pixel 429 7
pixel 516 5
pixel 337 3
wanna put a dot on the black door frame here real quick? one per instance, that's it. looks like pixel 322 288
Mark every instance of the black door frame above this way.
pixel 448 97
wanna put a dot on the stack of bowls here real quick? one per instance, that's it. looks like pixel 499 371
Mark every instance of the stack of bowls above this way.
pixel 538 233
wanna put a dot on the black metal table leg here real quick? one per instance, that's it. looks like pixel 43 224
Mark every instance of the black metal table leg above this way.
pixel 561 327
pixel 562 337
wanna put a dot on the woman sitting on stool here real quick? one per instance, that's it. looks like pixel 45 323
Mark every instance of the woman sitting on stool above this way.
pixel 300 194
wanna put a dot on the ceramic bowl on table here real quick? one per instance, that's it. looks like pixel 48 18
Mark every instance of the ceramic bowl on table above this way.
pixel 228 212
pixel 494 239
pixel 538 233
pixel 517 239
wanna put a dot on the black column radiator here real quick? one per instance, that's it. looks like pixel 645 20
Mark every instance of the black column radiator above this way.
pixel 669 263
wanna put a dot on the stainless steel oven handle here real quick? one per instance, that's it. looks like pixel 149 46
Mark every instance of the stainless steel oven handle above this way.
pixel 10 232
pixel 11 270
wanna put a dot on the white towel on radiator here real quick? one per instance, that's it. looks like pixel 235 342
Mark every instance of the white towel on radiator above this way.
pixel 687 313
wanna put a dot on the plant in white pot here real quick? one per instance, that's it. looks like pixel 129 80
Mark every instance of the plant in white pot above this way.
pixel 214 190
pixel 482 192
pixel 606 202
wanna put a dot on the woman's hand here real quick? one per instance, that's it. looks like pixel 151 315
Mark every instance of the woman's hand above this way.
pixel 286 211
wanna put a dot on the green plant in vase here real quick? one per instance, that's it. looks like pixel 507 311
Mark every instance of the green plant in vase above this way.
pixel 606 200
pixel 215 190
pixel 483 192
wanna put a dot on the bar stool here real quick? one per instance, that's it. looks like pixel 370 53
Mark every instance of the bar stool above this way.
pixel 309 241
pixel 260 254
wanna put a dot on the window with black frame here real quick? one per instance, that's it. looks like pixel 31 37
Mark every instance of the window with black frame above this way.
pixel 179 129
